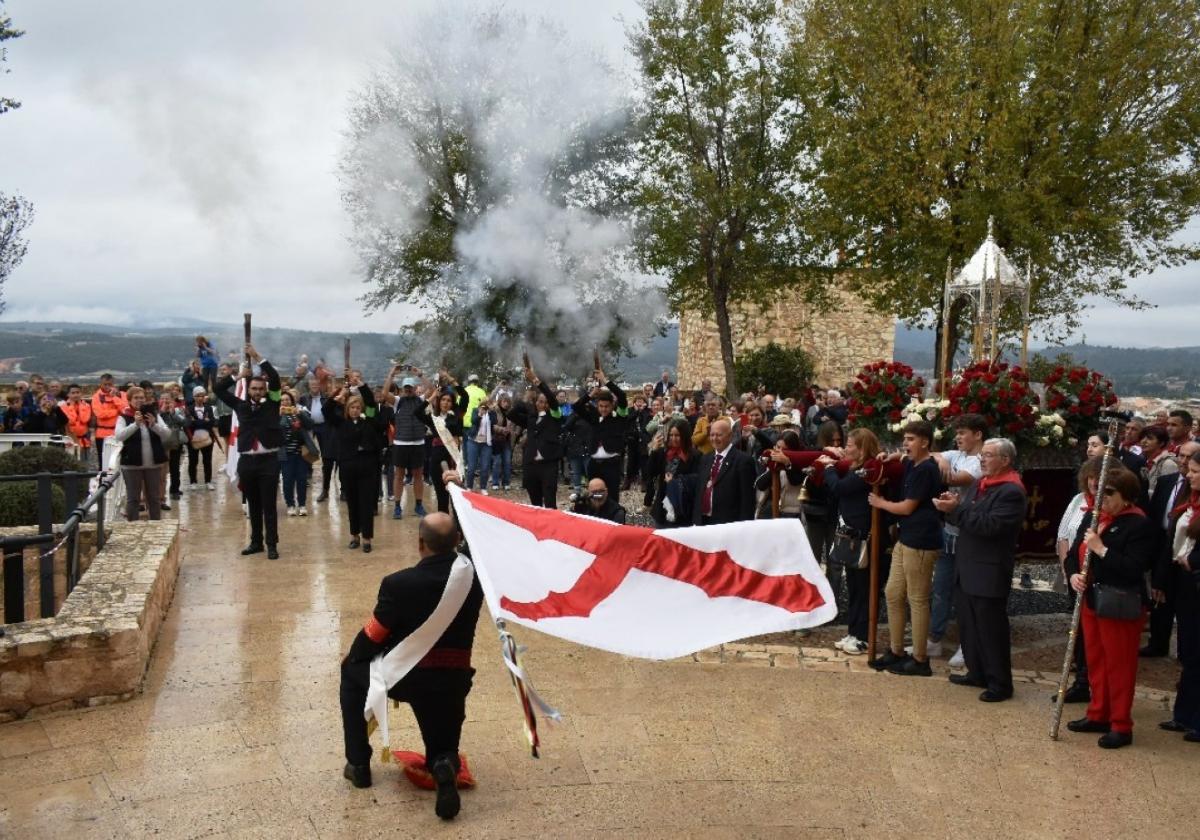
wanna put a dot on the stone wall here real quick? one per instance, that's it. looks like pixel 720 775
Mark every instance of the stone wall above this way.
pixel 96 649
pixel 840 341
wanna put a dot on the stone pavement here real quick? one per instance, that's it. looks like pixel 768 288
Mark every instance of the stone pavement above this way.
pixel 237 733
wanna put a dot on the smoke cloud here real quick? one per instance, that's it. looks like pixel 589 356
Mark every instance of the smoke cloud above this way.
pixel 504 132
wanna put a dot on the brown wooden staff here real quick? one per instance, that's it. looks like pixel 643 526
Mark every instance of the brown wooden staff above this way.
pixel 873 601
pixel 246 335
pixel 346 356
pixel 596 363
pixel 775 490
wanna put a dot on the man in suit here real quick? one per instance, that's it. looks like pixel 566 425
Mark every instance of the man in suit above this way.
pixel 1170 490
pixel 437 687
pixel 727 491
pixel 989 518
pixel 258 442
pixel 663 386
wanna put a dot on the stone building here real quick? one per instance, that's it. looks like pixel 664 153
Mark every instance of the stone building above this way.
pixel 841 340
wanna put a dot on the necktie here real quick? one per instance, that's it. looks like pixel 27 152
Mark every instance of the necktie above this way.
pixel 706 501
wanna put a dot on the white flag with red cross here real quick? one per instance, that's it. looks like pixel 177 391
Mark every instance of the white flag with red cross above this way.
pixel 231 450
pixel 656 594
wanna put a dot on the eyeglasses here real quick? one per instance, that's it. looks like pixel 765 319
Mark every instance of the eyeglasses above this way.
pixel 1110 491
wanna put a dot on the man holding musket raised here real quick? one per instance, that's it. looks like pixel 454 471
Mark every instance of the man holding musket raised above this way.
pixel 609 419
pixel 989 518
pixel 258 440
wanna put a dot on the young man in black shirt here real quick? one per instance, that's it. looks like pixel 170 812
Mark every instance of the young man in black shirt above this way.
pixel 915 554
pixel 609 419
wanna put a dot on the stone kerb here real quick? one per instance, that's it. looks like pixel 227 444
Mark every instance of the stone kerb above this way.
pixel 97 648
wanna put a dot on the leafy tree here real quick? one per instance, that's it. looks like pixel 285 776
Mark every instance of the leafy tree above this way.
pixel 1076 123
pixel 785 371
pixel 15 211
pixel 478 176
pixel 717 162
pixel 7 32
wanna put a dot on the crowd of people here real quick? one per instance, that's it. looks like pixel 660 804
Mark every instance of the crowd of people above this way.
pixel 947 522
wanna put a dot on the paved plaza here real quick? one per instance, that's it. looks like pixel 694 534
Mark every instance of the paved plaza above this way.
pixel 237 733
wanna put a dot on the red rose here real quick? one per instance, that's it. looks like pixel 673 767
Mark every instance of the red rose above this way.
pixel 973 408
pixel 894 415
pixel 984 393
pixel 868 410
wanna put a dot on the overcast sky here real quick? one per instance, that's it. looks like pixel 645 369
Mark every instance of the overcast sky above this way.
pixel 181 158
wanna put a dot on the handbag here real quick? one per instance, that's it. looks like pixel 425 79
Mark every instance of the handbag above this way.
pixel 1116 603
pixel 308 455
pixel 201 439
pixel 850 552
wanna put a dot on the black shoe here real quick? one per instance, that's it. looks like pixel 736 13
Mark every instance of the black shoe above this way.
pixel 1149 652
pixel 175 494
pixel 967 679
pixel 910 667
pixel 1085 724
pixel 1115 740
pixel 990 696
pixel 366 548
pixel 887 660
pixel 272 554
pixel 253 548
pixel 448 802
pixel 1078 693
pixel 354 543
pixel 1193 736
pixel 324 497
pixel 358 774
pixel 1172 726
pixel 164 506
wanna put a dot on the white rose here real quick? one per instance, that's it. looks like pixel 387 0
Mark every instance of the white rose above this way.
pixel 1057 431
pixel 937 434
pixel 1073 441
pixel 1043 441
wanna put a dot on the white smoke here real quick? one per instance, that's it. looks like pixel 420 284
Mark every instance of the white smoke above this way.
pixel 534 107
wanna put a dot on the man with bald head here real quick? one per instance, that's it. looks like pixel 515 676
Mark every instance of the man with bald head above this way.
pixel 726 492
pixel 437 687
pixel 596 502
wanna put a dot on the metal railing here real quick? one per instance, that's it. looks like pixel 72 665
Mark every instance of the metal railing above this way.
pixel 15 440
pixel 53 537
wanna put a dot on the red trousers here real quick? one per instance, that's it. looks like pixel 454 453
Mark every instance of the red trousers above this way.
pixel 1111 646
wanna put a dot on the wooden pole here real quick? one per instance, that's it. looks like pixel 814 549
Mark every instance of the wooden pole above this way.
pixel 946 305
pixel 1025 319
pixel 346 355
pixel 873 601
pixel 775 490
pixel 246 334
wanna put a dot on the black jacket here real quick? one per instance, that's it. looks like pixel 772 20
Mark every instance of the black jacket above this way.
pixel 609 432
pixel 848 499
pixel 1159 513
pixel 1130 540
pixel 543 435
pixel 361 439
pixel 656 485
pixel 454 421
pixel 256 422
pixel 733 491
pixel 989 526
pixel 406 599
pixel 611 511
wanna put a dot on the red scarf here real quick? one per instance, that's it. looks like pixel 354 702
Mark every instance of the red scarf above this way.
pixel 1192 502
pixel 674 453
pixel 1010 477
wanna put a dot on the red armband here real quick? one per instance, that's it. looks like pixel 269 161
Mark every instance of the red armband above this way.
pixel 375 631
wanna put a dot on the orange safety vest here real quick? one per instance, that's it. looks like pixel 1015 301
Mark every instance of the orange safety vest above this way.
pixel 107 408
pixel 79 416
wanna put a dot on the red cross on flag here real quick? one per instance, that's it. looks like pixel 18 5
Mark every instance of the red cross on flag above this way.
pixel 637 591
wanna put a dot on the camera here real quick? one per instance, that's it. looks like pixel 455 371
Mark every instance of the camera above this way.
pixel 149 410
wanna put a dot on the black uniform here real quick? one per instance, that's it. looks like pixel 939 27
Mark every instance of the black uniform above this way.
pixel 610 510
pixel 359 445
pixel 258 472
pixel 608 433
pixel 438 454
pixel 437 687
pixel 543 448
pixel 1170 490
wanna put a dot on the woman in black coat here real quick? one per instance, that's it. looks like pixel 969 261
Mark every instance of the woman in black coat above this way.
pixel 671 476
pixel 359 442
pixel 1122 551
pixel 1183 555
pixel 851 518
pixel 451 405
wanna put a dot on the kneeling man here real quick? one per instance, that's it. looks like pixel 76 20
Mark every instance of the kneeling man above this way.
pixel 437 687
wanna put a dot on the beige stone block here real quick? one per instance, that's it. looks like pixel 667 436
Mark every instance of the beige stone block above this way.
pixel 22 738
pixel 813 665
pixel 785 660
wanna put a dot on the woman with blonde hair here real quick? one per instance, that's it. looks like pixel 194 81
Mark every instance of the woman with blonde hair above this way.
pixel 142 433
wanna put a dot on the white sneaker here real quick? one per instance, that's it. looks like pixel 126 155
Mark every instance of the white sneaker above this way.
pixel 932 648
pixel 302 511
pixel 852 646
pixel 291 511
pixel 211 486
pixel 840 643
pixel 957 661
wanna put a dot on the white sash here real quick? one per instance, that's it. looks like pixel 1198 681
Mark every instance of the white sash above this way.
pixel 388 669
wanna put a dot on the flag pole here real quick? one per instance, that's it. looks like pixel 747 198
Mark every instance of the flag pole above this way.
pixel 246 333
pixel 873 609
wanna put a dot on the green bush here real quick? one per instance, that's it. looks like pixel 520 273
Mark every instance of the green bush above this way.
pixel 18 503
pixel 784 371
pixel 30 460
